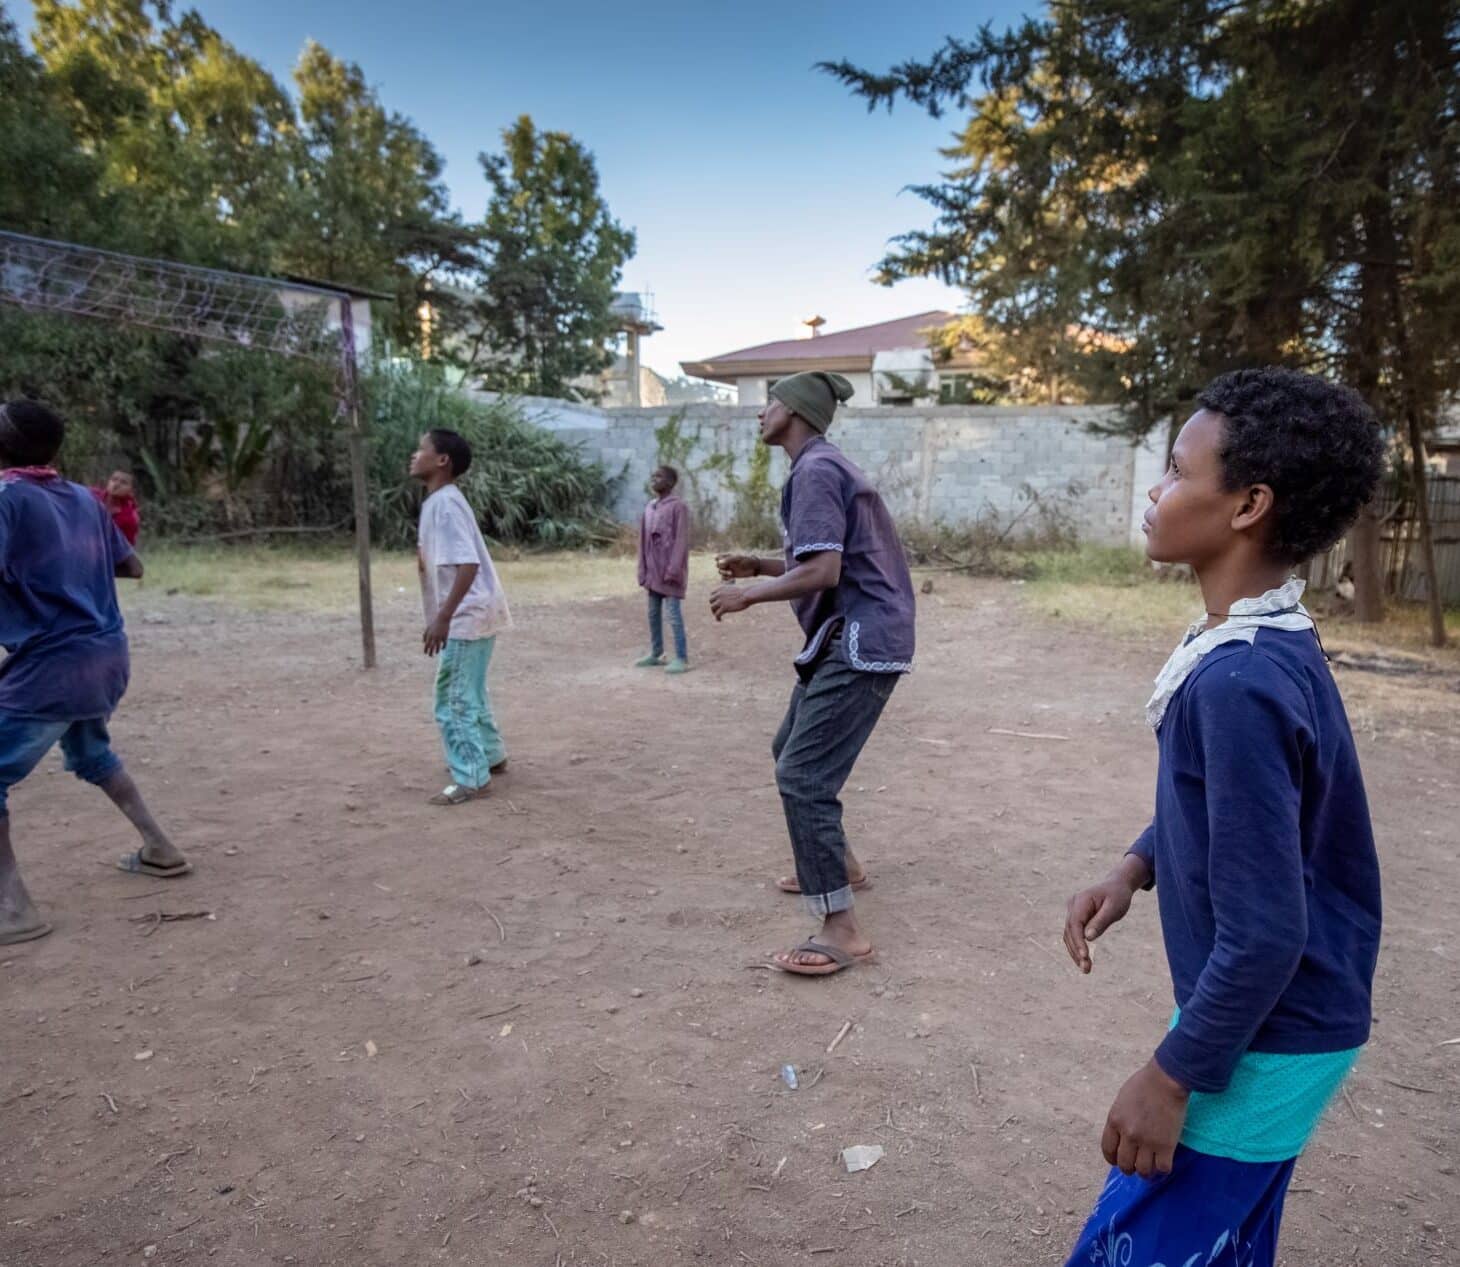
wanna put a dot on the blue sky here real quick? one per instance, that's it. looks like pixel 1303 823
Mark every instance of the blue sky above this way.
pixel 761 191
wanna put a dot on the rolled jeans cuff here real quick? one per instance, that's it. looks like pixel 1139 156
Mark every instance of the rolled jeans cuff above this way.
pixel 828 903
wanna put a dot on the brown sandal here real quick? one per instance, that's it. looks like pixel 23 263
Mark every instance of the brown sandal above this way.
pixel 839 959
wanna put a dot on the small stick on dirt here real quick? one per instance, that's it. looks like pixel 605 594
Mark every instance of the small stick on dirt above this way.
pixel 602 1070
pixel 841 1034
pixel 1409 1086
pixel 446 1240
pixel 1349 1100
pixel 137 897
pixel 471 1218
pixel 551 1224
pixel 1028 734
pixel 502 1011
pixel 757 1187
pixel 820 1073
pixel 369 976
pixel 461 1091
pixel 909 1210
pixel 977 1090
pixel 1450 1042
pixel 501 932
pixel 158 918
pixel 1041 945
pixel 825 1249
pixel 757 967
pixel 110 1103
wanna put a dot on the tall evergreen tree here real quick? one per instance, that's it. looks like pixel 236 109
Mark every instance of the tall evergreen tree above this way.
pixel 1202 184
pixel 551 258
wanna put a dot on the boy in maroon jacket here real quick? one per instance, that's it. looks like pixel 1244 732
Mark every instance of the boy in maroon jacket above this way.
pixel 664 568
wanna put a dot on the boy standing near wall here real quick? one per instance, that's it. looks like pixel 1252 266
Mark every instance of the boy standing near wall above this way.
pixel 664 568
pixel 1261 850
pixel 67 663
pixel 465 610
pixel 845 573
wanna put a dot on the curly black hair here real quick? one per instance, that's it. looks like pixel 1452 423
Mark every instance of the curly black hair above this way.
pixel 30 433
pixel 1316 444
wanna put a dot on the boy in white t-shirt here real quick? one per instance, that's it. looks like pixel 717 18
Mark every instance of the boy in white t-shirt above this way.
pixel 465 611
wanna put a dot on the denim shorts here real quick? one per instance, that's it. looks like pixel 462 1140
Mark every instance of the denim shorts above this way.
pixel 24 741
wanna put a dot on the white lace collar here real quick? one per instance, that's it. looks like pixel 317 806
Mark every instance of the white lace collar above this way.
pixel 1281 608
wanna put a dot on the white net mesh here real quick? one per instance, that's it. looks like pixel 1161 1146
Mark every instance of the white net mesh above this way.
pixel 204 303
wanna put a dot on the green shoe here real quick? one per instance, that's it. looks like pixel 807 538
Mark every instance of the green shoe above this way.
pixel 650 662
pixel 677 666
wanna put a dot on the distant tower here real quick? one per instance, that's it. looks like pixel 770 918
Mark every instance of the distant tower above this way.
pixel 634 314
pixel 814 324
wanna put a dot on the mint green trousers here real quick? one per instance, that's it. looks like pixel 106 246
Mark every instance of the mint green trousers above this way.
pixel 469 732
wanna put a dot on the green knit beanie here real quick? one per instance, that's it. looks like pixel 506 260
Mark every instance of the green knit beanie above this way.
pixel 813 395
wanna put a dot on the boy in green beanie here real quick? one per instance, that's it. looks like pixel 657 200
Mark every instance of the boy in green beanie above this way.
pixel 844 572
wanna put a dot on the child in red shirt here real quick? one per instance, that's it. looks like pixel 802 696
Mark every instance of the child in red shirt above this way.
pixel 119 496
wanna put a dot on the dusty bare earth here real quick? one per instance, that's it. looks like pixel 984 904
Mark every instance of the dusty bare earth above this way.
pixel 537 1030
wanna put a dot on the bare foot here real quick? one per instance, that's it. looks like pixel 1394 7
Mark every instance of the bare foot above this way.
pixel 19 919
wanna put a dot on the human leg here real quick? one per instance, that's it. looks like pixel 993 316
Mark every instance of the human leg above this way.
pixel 836 715
pixel 655 658
pixel 23 742
pixel 89 756
pixel 681 645
pixel 1207 1210
pixel 486 718
pixel 460 678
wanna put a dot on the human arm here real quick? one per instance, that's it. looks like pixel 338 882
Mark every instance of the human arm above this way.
pixel 679 545
pixel 817 572
pixel 1091 911
pixel 744 566
pixel 439 630
pixel 129 568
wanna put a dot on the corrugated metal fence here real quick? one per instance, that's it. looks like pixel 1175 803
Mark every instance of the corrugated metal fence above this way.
pixel 1400 556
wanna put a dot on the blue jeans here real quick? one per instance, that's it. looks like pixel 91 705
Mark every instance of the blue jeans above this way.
pixel 833 712
pixel 469 732
pixel 25 740
pixel 657 605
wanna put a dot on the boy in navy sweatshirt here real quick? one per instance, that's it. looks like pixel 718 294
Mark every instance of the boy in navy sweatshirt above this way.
pixel 66 665
pixel 1261 849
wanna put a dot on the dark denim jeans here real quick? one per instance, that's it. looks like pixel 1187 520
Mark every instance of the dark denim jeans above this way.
pixel 832 715
pixel 657 604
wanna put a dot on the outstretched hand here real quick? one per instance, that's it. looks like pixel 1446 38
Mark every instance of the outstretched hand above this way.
pixel 727 599
pixel 737 566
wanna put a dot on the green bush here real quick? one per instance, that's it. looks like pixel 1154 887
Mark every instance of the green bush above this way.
pixel 526 484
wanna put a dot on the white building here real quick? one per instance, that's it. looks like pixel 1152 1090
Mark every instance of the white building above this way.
pixel 888 363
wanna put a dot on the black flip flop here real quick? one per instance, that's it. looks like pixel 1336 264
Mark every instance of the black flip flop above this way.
pixel 25 934
pixel 136 864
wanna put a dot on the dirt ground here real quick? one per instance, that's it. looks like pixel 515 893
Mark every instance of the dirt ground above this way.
pixel 538 1030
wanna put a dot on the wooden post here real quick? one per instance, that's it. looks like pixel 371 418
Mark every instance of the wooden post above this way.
pixel 359 483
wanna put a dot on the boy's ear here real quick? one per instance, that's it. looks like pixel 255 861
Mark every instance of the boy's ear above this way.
pixel 1254 509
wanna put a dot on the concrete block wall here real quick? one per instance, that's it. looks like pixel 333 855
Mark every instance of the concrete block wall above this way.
pixel 933 464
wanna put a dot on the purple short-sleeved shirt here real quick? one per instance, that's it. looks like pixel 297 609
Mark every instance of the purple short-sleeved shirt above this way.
pixel 59 618
pixel 828 504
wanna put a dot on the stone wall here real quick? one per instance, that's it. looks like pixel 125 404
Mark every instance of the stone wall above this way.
pixel 946 464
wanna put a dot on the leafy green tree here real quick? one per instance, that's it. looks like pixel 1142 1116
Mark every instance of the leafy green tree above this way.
pixel 1160 190
pixel 551 258
pixel 372 207
pixel 50 185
